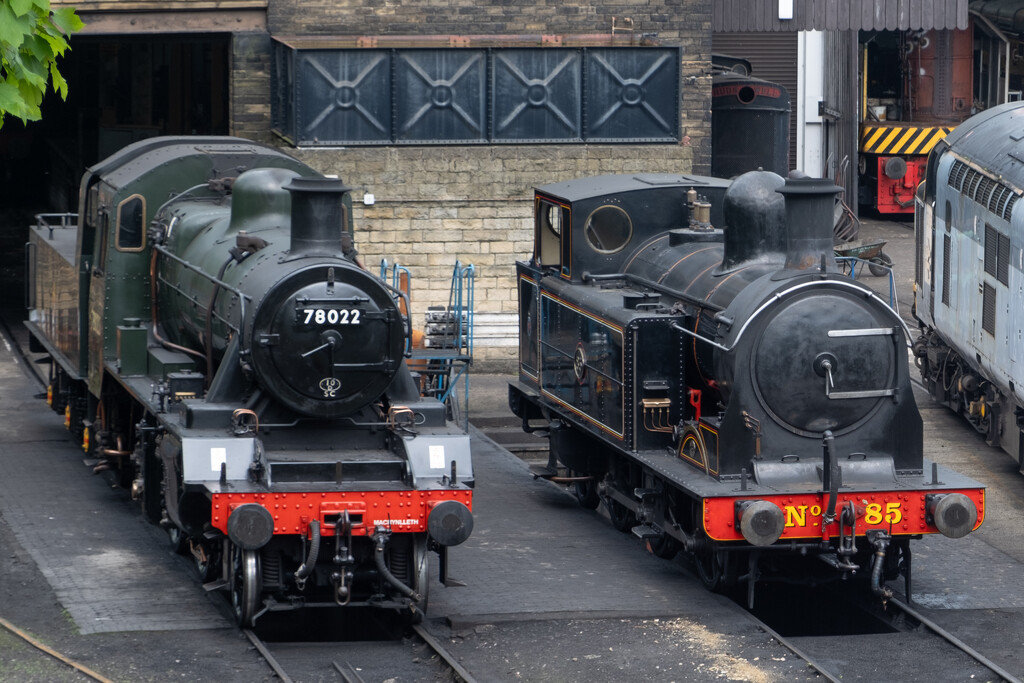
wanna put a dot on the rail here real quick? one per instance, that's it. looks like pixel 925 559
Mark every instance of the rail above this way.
pixel 266 652
pixel 954 641
pixel 827 669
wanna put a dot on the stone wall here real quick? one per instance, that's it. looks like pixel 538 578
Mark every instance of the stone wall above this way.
pixel 434 205
pixel 671 20
pixel 250 85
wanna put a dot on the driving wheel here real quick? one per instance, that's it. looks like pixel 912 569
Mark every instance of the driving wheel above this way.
pixel 245 585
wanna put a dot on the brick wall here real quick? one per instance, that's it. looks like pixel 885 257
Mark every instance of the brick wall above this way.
pixel 670 19
pixel 436 204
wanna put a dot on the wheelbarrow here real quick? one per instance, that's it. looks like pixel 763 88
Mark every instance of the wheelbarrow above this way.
pixel 878 261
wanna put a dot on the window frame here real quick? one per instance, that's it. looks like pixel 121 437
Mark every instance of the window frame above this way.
pixel 118 231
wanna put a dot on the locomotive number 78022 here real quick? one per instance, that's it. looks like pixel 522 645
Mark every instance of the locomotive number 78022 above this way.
pixel 331 316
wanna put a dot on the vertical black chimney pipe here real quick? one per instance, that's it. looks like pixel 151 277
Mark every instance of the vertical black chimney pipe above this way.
pixel 810 218
pixel 318 216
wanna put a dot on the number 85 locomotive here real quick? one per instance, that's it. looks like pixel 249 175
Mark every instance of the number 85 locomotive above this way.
pixel 702 368
pixel 215 342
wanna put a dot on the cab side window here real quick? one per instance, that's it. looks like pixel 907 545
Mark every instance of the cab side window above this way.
pixel 551 222
pixel 131 229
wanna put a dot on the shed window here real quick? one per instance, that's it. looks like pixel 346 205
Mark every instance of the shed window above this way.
pixel 365 96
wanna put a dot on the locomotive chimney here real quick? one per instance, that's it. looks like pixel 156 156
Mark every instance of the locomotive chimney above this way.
pixel 810 215
pixel 318 216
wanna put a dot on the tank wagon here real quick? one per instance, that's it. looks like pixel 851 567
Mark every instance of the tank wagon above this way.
pixel 213 340
pixel 917 86
pixel 749 125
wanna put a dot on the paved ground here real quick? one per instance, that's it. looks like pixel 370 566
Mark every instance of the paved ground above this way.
pixel 82 571
pixel 66 533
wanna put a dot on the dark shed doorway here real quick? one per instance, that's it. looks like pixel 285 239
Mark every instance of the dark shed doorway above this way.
pixel 120 89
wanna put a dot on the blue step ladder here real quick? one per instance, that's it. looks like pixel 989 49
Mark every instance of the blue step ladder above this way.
pixel 446 354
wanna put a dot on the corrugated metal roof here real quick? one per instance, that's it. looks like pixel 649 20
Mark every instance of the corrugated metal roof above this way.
pixel 1007 15
pixel 821 15
pixel 994 140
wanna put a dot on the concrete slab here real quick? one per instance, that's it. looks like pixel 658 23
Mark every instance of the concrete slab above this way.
pixel 110 569
pixel 535 551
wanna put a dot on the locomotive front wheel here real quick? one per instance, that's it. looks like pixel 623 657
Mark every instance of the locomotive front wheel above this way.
pixel 204 561
pixel 710 568
pixel 664 546
pixel 421 567
pixel 586 492
pixel 245 585
pixel 178 540
pixel 622 517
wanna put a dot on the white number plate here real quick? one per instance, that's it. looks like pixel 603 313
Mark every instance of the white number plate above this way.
pixel 330 316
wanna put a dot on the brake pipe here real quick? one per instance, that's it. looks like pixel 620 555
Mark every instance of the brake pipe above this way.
pixel 380 539
pixel 306 568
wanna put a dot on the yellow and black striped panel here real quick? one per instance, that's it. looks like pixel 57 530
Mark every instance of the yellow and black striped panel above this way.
pixel 900 138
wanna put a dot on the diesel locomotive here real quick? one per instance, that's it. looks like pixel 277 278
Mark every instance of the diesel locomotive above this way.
pixel 701 368
pixel 917 86
pixel 968 282
pixel 214 341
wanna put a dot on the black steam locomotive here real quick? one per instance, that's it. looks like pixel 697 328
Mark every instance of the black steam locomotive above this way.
pixel 215 342
pixel 701 367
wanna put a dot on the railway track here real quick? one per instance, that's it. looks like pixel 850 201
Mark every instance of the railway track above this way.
pixel 837 669
pixel 954 641
pixel 317 661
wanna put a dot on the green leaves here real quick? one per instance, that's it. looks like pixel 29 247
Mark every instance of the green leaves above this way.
pixel 66 21
pixel 31 39
pixel 22 7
